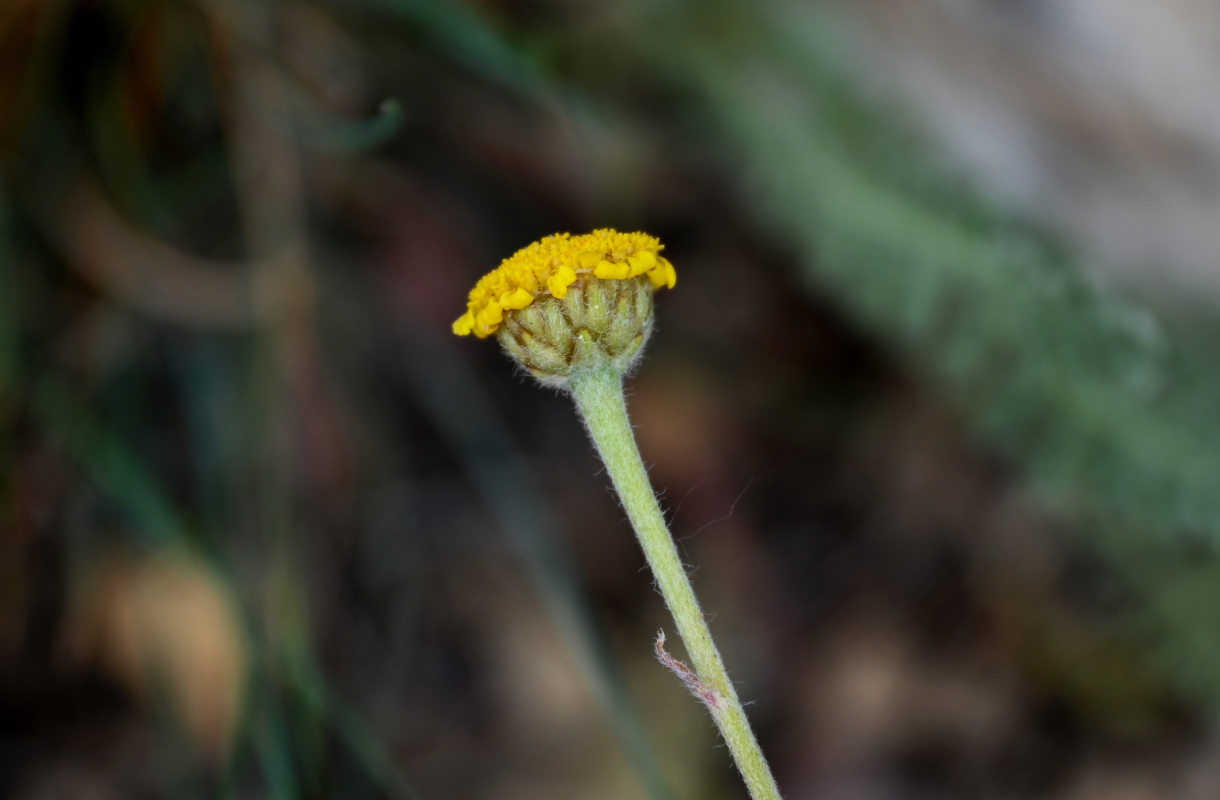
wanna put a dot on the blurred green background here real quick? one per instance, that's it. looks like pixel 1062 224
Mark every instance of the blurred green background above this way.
pixel 933 408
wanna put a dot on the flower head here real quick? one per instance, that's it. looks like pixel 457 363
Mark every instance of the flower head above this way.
pixel 549 267
pixel 571 304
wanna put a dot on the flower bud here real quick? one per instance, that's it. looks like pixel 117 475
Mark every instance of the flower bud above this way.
pixel 571 304
pixel 599 324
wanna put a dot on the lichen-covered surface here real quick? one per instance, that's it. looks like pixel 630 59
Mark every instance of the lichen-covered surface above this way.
pixel 271 530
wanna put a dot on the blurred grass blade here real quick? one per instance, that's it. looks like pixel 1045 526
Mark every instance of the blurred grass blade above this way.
pixel 458 405
pixel 108 464
pixel 462 33
pixel 349 727
pixel 346 136
pixel 275 755
pixel 10 311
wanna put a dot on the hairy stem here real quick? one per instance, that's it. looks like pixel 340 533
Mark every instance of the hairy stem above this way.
pixel 599 397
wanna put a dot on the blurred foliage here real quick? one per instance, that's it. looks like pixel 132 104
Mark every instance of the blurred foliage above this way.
pixel 209 345
pixel 1103 399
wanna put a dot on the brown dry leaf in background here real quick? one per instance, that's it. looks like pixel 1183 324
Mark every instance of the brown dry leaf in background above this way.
pixel 165 628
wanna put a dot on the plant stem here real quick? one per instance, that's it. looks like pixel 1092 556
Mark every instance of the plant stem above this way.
pixel 599 398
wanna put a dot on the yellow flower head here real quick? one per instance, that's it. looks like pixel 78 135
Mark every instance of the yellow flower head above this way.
pixel 547 268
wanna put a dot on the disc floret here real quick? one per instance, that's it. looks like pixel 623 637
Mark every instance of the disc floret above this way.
pixel 567 304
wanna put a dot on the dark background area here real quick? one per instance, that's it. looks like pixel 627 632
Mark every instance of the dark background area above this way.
pixel 932 408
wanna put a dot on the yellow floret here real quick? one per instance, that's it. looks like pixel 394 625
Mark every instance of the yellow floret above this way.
pixel 550 266
pixel 663 274
pixel 518 298
pixel 641 262
pixel 558 283
pixel 464 324
pixel 614 270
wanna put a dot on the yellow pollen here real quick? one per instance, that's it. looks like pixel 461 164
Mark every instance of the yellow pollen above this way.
pixel 551 265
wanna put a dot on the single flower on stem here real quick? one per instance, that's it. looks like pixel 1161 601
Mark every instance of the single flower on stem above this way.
pixel 576 311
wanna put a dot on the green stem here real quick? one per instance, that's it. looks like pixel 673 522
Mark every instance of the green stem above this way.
pixel 599 397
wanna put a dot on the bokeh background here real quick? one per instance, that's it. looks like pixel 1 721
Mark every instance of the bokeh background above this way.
pixel 933 408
